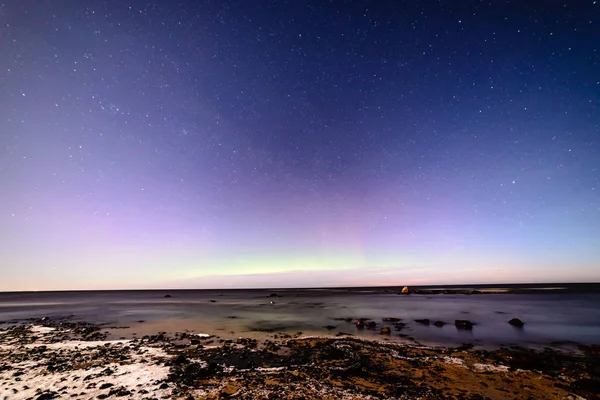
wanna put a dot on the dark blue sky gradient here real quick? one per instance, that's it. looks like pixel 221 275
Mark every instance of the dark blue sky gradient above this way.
pixel 203 143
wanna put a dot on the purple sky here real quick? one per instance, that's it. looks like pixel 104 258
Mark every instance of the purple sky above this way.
pixel 204 144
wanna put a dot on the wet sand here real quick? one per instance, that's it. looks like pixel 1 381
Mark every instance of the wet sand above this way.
pixel 64 359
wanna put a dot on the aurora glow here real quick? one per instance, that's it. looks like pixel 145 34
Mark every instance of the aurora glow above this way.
pixel 220 144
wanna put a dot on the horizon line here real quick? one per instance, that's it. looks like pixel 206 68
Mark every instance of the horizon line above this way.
pixel 300 288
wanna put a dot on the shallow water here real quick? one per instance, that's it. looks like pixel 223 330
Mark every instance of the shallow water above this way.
pixel 550 316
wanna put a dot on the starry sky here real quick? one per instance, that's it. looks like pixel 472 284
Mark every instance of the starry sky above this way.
pixel 205 144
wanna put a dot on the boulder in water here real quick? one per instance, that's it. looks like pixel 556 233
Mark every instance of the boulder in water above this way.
pixel 516 322
pixel 463 324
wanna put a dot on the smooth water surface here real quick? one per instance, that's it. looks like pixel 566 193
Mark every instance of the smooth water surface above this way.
pixel 550 316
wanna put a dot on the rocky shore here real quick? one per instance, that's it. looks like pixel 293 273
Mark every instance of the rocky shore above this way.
pixel 56 359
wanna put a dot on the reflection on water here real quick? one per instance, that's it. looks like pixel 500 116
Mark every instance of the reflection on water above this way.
pixel 549 316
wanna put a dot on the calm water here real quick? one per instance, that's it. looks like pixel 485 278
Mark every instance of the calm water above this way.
pixel 550 315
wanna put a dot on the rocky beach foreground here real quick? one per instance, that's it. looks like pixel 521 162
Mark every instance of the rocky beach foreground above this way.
pixel 56 359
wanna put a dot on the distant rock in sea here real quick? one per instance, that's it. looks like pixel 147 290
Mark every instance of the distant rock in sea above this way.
pixel 516 322
pixel 463 324
pixel 167 295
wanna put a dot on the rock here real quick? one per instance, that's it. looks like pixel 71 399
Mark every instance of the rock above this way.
pixel 516 322
pixel 330 327
pixel 47 396
pixel 405 290
pixel 359 324
pixel 464 347
pixel 424 321
pixel 399 326
pixel 371 324
pixel 391 319
pixel 164 386
pixel 213 301
pixel 587 387
pixel 119 392
pixel 463 324
pixel 439 324
pixel 105 386
pixel 180 359
pixel 167 295
pixel 273 295
pixel 348 319
pixel 385 331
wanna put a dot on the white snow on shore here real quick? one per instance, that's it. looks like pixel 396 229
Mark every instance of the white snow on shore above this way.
pixel 143 370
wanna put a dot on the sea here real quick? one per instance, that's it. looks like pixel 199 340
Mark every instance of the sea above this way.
pixel 554 315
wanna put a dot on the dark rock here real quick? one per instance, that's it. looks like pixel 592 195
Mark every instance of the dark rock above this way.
pixel 106 386
pixel 590 388
pixel 119 392
pixel 385 331
pixel 180 359
pixel 164 386
pixel 213 301
pixel 47 396
pixel 439 324
pixel 371 324
pixel 399 326
pixel 422 321
pixel 269 330
pixel 167 295
pixel 463 324
pixel 188 374
pixel 516 322
pixel 359 323
pixel 330 327
pixel 391 319
pixel 465 346
pixel 348 319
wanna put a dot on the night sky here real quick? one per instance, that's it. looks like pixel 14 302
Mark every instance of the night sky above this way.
pixel 298 143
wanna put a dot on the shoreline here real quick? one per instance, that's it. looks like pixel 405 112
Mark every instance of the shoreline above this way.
pixel 65 359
